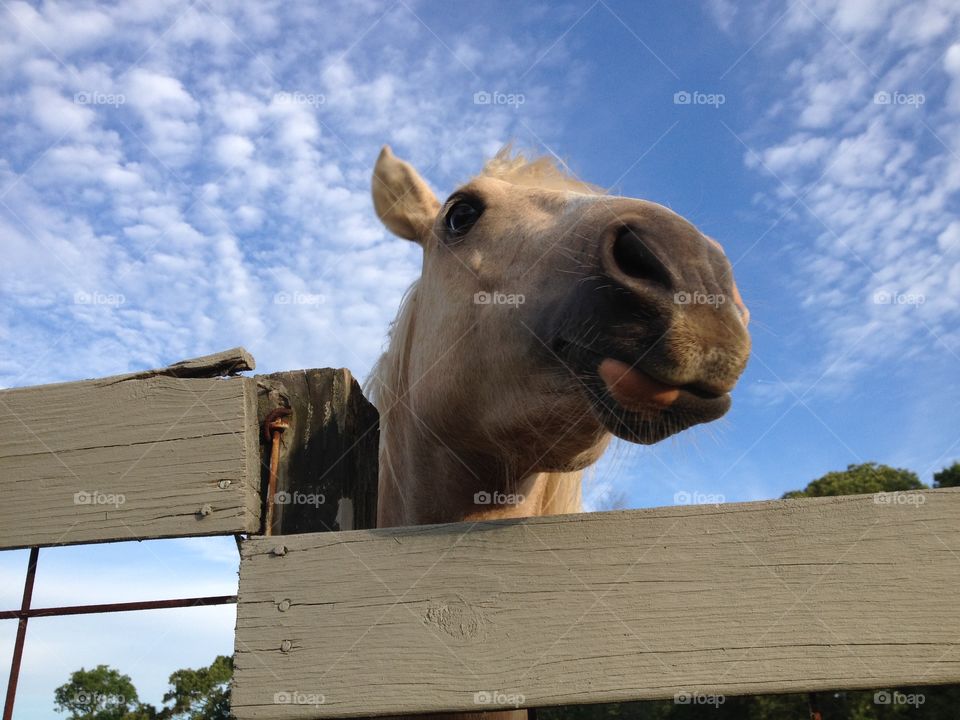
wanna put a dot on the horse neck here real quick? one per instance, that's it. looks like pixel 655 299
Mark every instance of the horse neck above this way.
pixel 422 481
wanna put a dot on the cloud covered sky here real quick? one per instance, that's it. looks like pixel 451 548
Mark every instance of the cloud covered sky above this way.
pixel 173 174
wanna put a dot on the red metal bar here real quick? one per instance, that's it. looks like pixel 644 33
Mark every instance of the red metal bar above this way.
pixel 27 613
pixel 23 616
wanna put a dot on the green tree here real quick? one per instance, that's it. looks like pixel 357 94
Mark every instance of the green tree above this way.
pixel 202 694
pixel 99 694
pixel 860 479
pixel 948 477
pixel 105 694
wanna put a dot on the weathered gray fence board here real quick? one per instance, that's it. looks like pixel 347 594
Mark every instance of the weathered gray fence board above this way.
pixel 735 599
pixel 151 454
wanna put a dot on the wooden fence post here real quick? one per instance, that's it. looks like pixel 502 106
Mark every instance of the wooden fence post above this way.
pixel 328 464
pixel 327 476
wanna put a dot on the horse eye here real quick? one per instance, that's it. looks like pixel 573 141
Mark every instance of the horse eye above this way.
pixel 462 216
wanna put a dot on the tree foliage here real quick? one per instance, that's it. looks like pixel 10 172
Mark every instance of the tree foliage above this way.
pixel 202 694
pixel 104 694
pixel 860 479
pixel 98 694
pixel 948 477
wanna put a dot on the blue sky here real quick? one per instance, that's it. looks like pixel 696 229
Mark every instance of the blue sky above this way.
pixel 166 169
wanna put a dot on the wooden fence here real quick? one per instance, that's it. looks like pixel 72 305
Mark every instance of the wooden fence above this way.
pixel 339 620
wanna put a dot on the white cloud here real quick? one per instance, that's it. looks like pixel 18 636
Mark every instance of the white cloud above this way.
pixel 60 28
pixel 951 63
pixel 951 60
pixel 168 114
pixel 949 239
pixel 917 23
pixel 796 153
pixel 152 92
pixel 723 12
pixel 58 115
pixel 233 150
pixel 825 100
pixel 235 167
pixel 238 111
pixel 89 164
pixel 859 16
pixel 872 158
pixel 869 177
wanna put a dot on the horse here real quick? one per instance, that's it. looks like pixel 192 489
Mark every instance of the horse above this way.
pixel 549 316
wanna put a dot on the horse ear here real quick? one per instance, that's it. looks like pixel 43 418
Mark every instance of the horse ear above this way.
pixel 403 201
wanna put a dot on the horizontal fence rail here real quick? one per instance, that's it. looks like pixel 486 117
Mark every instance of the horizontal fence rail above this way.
pixel 334 620
pixel 162 453
pixel 769 597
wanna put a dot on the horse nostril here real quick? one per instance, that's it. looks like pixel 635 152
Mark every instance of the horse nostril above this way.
pixel 634 258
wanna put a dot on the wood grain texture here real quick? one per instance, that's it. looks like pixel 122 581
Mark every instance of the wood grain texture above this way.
pixel 130 457
pixel 327 475
pixel 771 597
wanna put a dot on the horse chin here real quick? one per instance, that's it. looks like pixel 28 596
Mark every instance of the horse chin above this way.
pixel 647 427
pixel 582 460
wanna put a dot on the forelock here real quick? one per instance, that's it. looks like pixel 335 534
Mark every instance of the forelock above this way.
pixel 542 172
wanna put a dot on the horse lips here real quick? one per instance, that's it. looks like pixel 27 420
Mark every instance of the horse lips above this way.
pixel 633 389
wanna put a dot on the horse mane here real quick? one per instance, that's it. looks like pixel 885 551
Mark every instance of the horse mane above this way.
pixel 544 172
pixel 384 384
